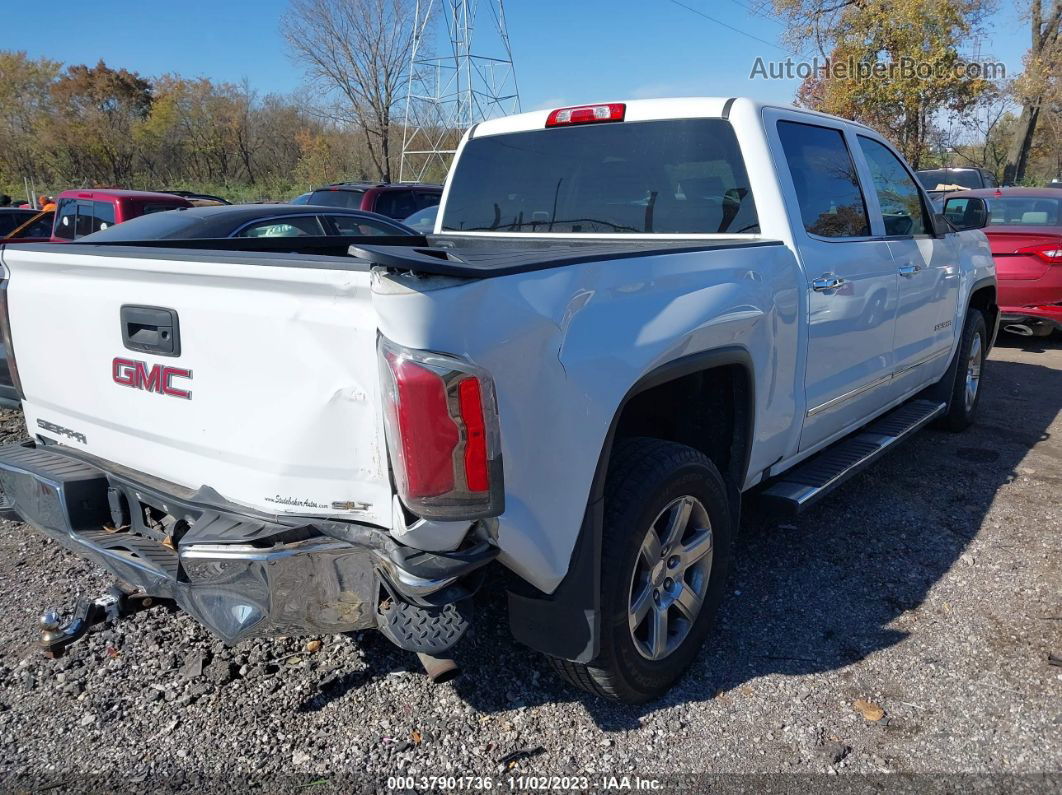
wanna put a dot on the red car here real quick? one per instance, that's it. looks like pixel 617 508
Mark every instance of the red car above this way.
pixel 1025 232
pixel 82 212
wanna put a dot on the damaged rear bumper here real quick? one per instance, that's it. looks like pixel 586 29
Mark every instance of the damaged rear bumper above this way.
pixel 241 575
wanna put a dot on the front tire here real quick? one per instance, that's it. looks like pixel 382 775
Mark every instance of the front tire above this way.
pixel 666 548
pixel 964 390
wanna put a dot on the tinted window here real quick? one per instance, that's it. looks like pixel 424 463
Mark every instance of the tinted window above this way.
pixel 427 199
pixel 351 225
pixel 423 221
pixel 103 216
pixel 673 176
pixel 1024 211
pixel 66 216
pixel 824 176
pixel 155 207
pixel 898 196
pixel 351 199
pixel 949 178
pixel 85 220
pixel 284 227
pixel 41 227
pixel 396 203
pixel 12 219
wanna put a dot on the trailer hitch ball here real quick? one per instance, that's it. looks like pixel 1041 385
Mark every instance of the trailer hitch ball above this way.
pixel 50 633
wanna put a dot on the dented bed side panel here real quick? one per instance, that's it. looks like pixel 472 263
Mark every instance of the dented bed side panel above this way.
pixel 564 347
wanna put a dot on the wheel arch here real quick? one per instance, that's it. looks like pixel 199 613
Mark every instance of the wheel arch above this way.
pixel 984 298
pixel 565 623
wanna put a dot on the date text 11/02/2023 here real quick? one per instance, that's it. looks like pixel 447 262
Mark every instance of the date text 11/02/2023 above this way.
pixel 526 783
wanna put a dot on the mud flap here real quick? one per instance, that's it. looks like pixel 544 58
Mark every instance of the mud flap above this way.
pixel 566 623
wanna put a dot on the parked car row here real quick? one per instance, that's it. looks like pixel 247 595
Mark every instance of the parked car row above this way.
pixel 79 213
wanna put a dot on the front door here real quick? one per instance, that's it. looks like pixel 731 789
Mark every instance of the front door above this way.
pixel 852 280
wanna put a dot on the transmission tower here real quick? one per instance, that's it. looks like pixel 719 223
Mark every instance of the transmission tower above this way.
pixel 471 81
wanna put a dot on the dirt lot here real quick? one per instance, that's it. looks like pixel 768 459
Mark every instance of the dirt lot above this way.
pixel 930 588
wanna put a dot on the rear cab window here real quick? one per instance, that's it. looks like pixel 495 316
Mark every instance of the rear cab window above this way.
pixel 674 176
pixel 825 179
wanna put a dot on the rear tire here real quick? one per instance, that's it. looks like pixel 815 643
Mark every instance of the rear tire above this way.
pixel 666 547
pixel 963 390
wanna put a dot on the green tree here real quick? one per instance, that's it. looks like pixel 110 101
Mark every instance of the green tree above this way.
pixel 25 105
pixel 902 60
pixel 91 136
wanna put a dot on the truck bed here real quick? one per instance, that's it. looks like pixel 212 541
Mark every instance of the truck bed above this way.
pixel 461 257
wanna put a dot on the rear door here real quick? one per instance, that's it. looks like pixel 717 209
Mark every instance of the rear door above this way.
pixel 852 280
pixel 927 266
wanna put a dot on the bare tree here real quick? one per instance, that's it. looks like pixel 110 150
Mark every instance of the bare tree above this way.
pixel 1041 78
pixel 357 52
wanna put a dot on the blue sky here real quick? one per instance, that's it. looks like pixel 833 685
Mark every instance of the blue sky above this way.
pixel 566 51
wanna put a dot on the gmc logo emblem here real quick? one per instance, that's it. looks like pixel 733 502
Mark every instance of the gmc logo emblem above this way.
pixel 159 378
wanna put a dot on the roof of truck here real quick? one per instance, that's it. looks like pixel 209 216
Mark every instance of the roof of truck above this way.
pixel 118 193
pixel 649 110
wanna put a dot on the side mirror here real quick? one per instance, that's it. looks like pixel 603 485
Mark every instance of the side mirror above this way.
pixel 966 212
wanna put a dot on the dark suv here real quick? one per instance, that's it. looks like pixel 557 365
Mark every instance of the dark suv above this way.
pixel 939 182
pixel 395 200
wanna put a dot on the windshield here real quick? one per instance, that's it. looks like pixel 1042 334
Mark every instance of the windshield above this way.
pixel 682 176
pixel 946 179
pixel 423 220
pixel 350 199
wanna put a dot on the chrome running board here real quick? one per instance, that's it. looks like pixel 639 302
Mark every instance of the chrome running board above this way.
pixel 799 488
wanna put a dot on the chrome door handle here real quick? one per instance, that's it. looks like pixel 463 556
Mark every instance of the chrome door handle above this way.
pixel 909 269
pixel 828 281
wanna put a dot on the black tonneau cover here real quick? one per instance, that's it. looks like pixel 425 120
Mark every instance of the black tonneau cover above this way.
pixel 464 257
pixel 479 258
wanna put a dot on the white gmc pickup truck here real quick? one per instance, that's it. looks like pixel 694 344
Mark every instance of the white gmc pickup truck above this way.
pixel 629 317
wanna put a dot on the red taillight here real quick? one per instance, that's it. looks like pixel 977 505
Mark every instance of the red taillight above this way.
pixel 5 335
pixel 470 400
pixel 428 434
pixel 442 427
pixel 586 114
pixel 1051 253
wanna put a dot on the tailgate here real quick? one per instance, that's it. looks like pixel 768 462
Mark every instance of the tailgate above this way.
pixel 271 401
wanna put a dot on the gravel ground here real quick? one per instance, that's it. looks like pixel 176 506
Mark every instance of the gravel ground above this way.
pixel 928 588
